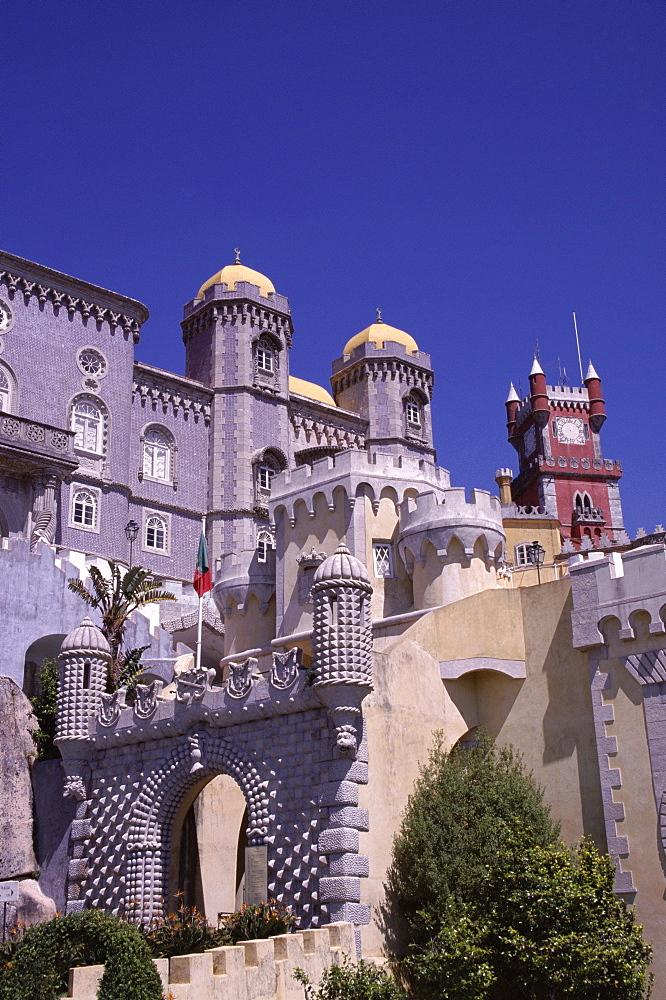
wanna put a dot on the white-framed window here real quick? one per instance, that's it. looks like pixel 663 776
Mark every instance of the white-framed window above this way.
pixel 265 542
pixel 265 359
pixel 84 508
pixel 5 392
pixel 156 454
pixel 522 554
pixel 156 533
pixel 265 477
pixel 87 424
pixel 413 413
pixel 382 558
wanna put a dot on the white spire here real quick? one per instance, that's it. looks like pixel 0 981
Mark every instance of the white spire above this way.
pixel 513 396
pixel 591 372
pixel 536 367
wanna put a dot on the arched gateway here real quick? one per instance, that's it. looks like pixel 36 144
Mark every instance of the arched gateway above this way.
pixel 294 745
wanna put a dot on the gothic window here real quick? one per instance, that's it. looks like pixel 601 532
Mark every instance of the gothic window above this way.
pixel 265 542
pixel 157 447
pixel 382 558
pixel 267 465
pixel 156 533
pixel 84 509
pixel 413 408
pixel 583 503
pixel 5 396
pixel 87 423
pixel 266 361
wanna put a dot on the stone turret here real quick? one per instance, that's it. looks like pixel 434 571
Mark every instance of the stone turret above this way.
pixel 83 662
pixel 342 642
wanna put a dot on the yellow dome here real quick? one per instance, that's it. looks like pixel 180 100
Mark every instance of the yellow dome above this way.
pixel 238 272
pixel 311 390
pixel 378 333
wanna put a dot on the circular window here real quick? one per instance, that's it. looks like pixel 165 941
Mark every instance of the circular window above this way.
pixel 5 317
pixel 91 362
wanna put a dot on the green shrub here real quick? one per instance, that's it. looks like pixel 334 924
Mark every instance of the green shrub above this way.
pixel 37 967
pixel 185 932
pixel 258 920
pixel 350 981
pixel 44 709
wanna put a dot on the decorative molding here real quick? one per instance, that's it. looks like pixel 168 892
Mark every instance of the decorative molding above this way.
pixel 150 389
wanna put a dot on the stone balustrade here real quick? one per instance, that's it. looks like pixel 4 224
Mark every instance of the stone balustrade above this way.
pixel 32 438
pixel 252 970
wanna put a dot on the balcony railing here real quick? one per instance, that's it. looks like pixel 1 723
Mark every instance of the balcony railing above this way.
pixel 588 515
pixel 30 438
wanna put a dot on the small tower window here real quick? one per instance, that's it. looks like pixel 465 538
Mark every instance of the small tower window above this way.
pixel 413 413
pixel 156 533
pixel 382 556
pixel 265 477
pixel 265 542
pixel 86 674
pixel 84 509
pixel 265 360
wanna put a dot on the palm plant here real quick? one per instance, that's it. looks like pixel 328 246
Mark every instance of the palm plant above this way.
pixel 116 597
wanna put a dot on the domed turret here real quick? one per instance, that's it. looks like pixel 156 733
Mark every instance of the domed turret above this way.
pixel 233 273
pixel 83 661
pixel 86 637
pixel 378 333
pixel 341 567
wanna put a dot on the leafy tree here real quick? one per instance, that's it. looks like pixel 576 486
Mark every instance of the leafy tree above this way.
pixel 44 708
pixel 468 806
pixel 545 926
pixel 496 909
pixel 116 597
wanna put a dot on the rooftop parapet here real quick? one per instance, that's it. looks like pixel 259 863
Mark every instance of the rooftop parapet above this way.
pixel 429 518
pixel 243 290
pixel 371 351
pixel 357 473
pixel 616 586
pixel 240 574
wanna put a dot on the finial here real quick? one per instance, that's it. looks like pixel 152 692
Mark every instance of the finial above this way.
pixel 237 252
pixel 536 367
pixel 513 396
pixel 379 316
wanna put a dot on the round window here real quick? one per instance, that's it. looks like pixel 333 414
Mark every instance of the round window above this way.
pixel 91 362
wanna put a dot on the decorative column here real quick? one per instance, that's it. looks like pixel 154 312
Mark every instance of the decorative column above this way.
pixel 342 660
pixel 44 509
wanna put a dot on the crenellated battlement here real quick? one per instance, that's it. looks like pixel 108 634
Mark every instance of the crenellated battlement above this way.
pixel 616 586
pixel 372 351
pixel 358 473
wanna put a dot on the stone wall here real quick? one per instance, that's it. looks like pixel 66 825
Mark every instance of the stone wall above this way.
pixel 253 970
pixel 17 856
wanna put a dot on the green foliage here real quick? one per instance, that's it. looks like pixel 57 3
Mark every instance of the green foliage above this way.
pixel 546 925
pixel 116 597
pixel 187 931
pixel 258 920
pixel 350 981
pixel 468 806
pixel 37 967
pixel 44 709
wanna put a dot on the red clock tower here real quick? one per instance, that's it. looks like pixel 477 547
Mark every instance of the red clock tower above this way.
pixel 555 431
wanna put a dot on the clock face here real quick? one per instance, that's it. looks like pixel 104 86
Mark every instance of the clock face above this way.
pixel 5 316
pixel 570 430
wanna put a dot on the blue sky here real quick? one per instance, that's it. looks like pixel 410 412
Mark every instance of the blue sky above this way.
pixel 477 169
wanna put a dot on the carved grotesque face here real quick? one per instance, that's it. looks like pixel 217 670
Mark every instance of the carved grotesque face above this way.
pixel 346 739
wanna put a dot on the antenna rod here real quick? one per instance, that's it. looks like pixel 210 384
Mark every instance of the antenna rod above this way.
pixel 580 363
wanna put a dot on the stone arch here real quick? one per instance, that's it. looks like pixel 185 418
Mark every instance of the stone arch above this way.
pixel 196 758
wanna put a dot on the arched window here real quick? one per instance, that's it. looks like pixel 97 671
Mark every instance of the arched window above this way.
pixel 7 390
pixel 4 392
pixel 266 468
pixel 265 542
pixel 156 533
pixel 87 423
pixel 413 407
pixel 266 362
pixel 84 509
pixel 264 359
pixel 157 447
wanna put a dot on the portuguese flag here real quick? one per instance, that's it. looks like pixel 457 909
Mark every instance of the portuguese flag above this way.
pixel 202 578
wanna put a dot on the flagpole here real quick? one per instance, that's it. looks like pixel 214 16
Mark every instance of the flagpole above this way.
pixel 199 627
